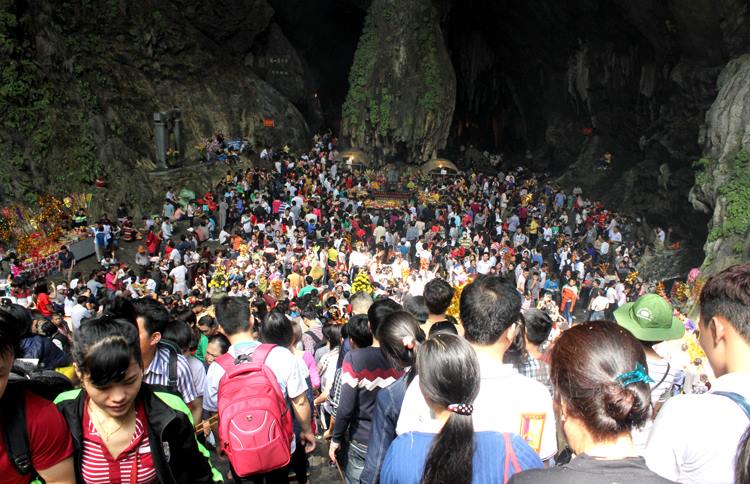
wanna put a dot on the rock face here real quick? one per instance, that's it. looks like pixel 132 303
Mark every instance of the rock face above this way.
pixel 722 187
pixel 80 89
pixel 402 87
pixel 568 81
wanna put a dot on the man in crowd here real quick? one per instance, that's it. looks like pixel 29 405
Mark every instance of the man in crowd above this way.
pixel 695 437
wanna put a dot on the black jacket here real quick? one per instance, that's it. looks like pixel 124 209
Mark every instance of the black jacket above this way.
pixel 176 453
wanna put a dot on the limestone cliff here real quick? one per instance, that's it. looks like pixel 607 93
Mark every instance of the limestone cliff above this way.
pixel 402 87
pixel 81 80
pixel 722 181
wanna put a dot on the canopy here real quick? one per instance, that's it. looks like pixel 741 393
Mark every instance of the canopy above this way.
pixel 438 165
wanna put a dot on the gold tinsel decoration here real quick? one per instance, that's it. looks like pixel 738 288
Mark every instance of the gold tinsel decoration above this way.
pixel 632 278
pixel 454 309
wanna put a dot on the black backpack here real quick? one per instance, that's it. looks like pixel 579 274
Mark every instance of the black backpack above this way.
pixel 47 384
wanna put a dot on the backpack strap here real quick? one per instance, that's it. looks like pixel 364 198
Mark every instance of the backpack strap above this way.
pixel 738 399
pixel 172 366
pixel 15 432
pixel 666 374
pixel 315 338
pixel 510 457
pixel 258 356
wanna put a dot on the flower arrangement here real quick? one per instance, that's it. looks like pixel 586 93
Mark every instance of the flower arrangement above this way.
pixel 220 280
pixel 362 283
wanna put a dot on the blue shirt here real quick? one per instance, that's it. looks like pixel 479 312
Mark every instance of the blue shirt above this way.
pixel 404 463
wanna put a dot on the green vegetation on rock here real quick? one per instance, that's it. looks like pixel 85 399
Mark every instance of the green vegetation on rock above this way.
pixel 700 166
pixel 736 192
pixel 359 74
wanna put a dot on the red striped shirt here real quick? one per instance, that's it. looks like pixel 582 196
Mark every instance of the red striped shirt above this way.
pixel 134 465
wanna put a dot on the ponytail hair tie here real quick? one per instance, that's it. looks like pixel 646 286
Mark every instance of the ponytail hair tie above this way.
pixel 461 408
pixel 408 342
pixel 640 374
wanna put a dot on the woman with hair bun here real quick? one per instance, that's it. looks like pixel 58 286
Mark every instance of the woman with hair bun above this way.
pixel 449 380
pixel 122 430
pixel 601 388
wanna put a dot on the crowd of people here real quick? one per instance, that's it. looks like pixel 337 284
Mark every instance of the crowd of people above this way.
pixel 430 328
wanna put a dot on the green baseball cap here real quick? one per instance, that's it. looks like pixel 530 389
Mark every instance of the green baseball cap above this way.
pixel 650 318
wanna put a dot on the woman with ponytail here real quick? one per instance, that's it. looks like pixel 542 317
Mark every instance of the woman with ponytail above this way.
pixel 601 386
pixel 449 380
pixel 399 335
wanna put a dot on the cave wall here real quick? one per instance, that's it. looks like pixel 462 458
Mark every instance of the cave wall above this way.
pixel 640 74
pixel 81 80
pixel 722 188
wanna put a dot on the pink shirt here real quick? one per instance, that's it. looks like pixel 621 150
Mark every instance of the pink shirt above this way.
pixel 309 360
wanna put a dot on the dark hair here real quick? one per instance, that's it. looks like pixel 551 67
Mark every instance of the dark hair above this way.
pixel 379 310
pixel 179 333
pixel 155 315
pixel 48 329
pixel 10 335
pixel 438 295
pixel 415 306
pixel 41 287
pixel 332 334
pixel 277 329
pixel 489 306
pixel 186 315
pixel 220 340
pixel 538 325
pixel 742 461
pixel 727 294
pixel 123 308
pixel 103 349
pixel 233 314
pixel 359 331
pixel 585 362
pixel 207 320
pixel 396 328
pixel 449 373
pixel 20 318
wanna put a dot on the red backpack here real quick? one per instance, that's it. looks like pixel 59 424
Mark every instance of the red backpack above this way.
pixel 255 425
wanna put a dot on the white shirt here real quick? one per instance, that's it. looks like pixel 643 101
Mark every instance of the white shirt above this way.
pixel 178 274
pixel 694 438
pixel 175 256
pixel 484 266
pixel 77 314
pixel 599 303
pixel 507 402
pixel 604 248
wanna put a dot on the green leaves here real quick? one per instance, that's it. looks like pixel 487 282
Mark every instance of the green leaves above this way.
pixel 736 192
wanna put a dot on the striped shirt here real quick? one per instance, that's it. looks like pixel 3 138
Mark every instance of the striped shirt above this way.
pixel 134 465
pixel 157 373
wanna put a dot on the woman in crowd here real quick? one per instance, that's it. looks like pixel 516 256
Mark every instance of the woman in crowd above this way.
pixel 399 336
pixel 218 345
pixel 449 379
pixel 122 430
pixel 35 346
pixel 601 387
